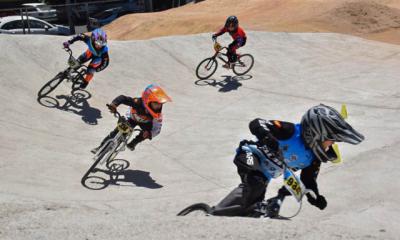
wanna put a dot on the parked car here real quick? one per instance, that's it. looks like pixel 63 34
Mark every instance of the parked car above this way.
pixel 41 11
pixel 15 25
pixel 105 17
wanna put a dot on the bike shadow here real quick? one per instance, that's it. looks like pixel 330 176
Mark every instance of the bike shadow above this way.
pixel 229 83
pixel 76 102
pixel 119 176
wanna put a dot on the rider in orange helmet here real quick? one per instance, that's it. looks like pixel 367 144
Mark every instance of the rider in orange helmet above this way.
pixel 145 112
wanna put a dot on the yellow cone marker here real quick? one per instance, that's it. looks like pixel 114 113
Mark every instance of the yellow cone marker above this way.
pixel 339 156
pixel 343 113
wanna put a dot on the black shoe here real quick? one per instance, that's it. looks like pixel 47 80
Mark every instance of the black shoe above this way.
pixel 131 145
pixel 273 207
pixel 83 85
pixel 94 150
pixel 260 210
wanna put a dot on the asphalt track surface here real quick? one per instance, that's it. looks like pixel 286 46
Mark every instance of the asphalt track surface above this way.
pixel 45 143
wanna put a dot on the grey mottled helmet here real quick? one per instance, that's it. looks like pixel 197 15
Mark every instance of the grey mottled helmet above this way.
pixel 321 123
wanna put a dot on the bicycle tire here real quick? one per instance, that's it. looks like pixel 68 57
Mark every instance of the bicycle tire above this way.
pixel 114 153
pixel 94 165
pixel 213 67
pixel 196 207
pixel 240 64
pixel 51 85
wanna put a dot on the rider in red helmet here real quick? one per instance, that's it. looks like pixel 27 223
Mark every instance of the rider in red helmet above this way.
pixel 145 112
pixel 238 35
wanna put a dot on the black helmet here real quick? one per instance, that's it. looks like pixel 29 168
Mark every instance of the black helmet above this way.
pixel 321 123
pixel 232 20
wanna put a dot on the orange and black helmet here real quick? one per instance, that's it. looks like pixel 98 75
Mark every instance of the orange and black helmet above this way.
pixel 154 93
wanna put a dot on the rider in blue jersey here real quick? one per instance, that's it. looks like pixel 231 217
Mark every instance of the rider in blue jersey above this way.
pixel 97 52
pixel 300 146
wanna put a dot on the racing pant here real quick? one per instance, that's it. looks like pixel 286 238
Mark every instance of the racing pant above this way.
pixel 243 199
pixel 237 43
pixel 94 65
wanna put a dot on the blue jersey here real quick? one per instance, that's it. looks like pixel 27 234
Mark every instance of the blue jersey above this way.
pixel 296 155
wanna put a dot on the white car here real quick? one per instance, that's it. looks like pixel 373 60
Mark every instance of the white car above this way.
pixel 15 25
pixel 41 11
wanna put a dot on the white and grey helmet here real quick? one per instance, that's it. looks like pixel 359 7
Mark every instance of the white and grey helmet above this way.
pixel 321 123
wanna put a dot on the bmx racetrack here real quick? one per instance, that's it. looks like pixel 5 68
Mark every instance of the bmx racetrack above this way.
pixel 45 146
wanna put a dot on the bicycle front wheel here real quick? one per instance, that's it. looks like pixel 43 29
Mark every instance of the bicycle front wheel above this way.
pixel 243 65
pixel 206 68
pixel 51 85
pixel 78 79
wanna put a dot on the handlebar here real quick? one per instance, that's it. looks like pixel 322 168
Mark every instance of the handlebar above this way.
pixel 116 114
pixel 68 50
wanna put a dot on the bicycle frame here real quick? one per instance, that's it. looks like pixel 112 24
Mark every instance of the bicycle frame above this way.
pixel 220 55
pixel 73 66
pixel 118 143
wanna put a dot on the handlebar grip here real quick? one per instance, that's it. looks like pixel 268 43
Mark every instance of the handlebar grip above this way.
pixel 116 113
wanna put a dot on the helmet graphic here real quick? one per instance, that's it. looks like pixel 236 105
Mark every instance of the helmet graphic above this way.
pixel 321 123
pixel 99 38
pixel 154 93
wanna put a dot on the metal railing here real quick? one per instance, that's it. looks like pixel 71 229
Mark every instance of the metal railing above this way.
pixel 74 14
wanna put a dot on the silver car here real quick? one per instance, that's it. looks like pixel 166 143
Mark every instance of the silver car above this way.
pixel 15 25
pixel 41 11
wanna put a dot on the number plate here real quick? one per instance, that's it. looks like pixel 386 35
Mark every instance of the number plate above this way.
pixel 124 127
pixel 294 185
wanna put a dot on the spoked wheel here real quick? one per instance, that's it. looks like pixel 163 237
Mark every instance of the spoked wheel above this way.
pixel 243 65
pixel 99 158
pixel 199 208
pixel 51 85
pixel 206 68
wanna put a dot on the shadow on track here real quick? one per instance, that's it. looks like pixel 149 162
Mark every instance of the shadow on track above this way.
pixel 228 84
pixel 117 175
pixel 76 102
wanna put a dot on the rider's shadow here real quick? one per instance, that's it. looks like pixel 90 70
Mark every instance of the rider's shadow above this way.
pixel 118 175
pixel 76 102
pixel 226 85
pixel 137 177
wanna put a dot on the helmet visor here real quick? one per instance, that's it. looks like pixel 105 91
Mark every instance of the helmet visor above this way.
pixel 160 96
pixel 99 43
pixel 325 155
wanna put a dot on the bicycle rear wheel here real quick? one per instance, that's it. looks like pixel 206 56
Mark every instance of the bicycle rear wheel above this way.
pixel 51 85
pixel 206 68
pixel 243 65
pixel 201 207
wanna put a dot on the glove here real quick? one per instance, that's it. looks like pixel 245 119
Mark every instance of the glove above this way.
pixel 66 44
pixel 320 202
pixel 214 37
pixel 112 108
pixel 271 143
